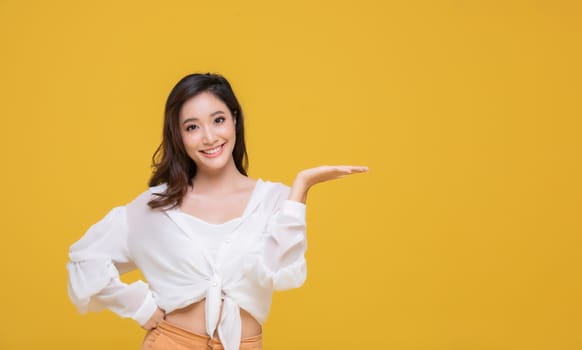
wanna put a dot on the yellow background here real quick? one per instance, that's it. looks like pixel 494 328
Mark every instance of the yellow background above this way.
pixel 466 234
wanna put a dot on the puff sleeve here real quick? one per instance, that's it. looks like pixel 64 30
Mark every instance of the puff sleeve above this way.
pixel 96 261
pixel 285 245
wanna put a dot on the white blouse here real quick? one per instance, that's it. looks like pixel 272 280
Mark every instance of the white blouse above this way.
pixel 262 251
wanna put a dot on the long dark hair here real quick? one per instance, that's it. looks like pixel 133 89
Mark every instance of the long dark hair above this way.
pixel 170 162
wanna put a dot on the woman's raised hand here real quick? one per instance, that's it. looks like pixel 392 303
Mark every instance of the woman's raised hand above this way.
pixel 309 177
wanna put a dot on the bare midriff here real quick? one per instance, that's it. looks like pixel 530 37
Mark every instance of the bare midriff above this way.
pixel 193 318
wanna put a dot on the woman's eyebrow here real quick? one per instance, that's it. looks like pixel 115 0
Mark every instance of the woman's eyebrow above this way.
pixel 189 120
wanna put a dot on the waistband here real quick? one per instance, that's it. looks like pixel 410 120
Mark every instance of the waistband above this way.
pixel 186 336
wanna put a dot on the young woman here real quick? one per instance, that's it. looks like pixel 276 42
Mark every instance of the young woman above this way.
pixel 212 243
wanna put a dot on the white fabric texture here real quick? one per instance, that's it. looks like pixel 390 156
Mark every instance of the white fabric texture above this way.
pixel 262 251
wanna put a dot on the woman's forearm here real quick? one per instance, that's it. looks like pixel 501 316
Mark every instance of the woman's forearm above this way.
pixel 299 190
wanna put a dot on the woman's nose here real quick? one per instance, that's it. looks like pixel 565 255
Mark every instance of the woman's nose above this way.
pixel 209 136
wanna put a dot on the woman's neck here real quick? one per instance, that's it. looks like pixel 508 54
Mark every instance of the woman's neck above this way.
pixel 225 180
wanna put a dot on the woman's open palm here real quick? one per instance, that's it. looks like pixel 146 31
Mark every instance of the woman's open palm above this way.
pixel 324 173
pixel 309 177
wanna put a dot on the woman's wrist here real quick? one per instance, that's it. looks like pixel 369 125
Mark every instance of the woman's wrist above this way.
pixel 299 189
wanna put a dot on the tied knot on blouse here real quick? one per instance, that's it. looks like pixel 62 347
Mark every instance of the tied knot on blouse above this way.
pixel 185 260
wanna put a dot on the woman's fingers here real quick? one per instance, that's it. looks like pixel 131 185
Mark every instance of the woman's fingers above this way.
pixel 360 169
pixel 309 177
pixel 330 172
pixel 355 169
pixel 156 318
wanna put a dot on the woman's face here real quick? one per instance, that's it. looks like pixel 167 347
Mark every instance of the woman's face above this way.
pixel 208 132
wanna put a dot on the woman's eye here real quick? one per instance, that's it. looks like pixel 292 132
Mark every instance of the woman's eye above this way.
pixel 191 127
pixel 219 120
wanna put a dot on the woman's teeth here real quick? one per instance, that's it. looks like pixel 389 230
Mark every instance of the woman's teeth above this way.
pixel 212 151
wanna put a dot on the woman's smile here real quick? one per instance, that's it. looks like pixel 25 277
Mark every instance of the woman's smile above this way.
pixel 213 152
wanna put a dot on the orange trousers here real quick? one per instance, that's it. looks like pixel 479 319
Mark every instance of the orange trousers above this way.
pixel 167 336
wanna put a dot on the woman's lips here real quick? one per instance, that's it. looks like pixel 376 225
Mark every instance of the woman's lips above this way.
pixel 214 152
